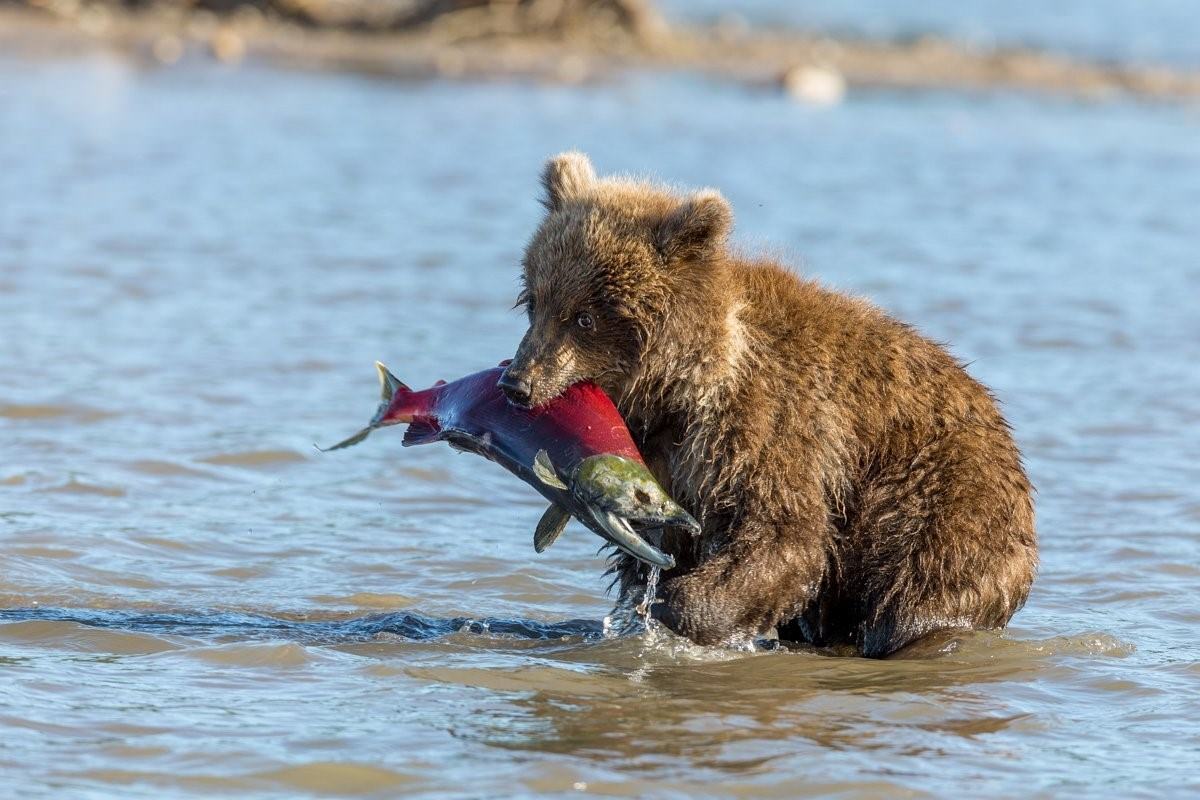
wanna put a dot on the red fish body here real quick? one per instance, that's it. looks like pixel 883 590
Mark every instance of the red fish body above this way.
pixel 581 422
pixel 575 450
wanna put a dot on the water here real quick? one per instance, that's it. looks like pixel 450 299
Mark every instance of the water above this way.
pixel 198 267
pixel 650 594
pixel 1143 31
pixel 632 615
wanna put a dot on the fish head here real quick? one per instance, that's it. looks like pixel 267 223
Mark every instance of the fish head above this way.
pixel 625 502
pixel 627 488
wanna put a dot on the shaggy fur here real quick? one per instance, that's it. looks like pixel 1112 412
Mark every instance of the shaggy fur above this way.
pixel 854 484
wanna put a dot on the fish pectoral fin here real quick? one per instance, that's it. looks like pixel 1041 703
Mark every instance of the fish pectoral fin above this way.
pixel 421 431
pixel 549 527
pixel 353 440
pixel 544 470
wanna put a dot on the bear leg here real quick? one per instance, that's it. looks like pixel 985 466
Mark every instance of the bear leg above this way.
pixel 945 541
pixel 760 577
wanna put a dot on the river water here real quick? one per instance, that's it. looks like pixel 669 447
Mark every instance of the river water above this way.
pixel 198 266
pixel 1141 31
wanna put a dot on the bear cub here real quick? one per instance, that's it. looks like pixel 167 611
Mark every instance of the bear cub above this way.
pixel 854 484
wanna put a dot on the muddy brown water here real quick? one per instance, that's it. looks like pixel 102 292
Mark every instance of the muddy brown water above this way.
pixel 198 267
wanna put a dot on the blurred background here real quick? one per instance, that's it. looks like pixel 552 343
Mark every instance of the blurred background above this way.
pixel 214 216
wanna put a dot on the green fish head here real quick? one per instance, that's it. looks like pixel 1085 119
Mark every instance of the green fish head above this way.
pixel 618 485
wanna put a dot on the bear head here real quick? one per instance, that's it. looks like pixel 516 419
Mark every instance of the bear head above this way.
pixel 616 266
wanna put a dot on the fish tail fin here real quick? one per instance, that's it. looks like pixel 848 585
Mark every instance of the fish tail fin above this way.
pixel 397 402
pixel 349 442
pixel 389 384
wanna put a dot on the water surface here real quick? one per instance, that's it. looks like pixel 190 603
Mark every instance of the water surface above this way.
pixel 198 267
pixel 1144 31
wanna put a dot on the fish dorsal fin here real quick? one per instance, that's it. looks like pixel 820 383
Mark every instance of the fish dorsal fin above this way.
pixel 389 384
pixel 421 430
pixel 544 470
pixel 549 527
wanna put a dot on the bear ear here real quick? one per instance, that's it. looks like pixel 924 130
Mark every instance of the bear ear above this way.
pixel 696 229
pixel 565 177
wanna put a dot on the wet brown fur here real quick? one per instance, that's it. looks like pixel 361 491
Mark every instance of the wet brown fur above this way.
pixel 854 483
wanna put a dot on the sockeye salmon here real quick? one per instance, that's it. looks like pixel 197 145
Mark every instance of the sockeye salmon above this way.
pixel 575 450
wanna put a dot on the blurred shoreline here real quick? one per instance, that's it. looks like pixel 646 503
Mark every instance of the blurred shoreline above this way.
pixel 566 41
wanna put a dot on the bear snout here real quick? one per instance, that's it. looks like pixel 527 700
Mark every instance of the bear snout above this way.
pixel 516 387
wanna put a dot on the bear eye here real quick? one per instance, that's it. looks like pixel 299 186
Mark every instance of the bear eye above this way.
pixel 584 320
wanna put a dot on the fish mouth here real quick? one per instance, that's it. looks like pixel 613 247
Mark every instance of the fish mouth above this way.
pixel 642 514
pixel 676 519
pixel 624 516
pixel 619 531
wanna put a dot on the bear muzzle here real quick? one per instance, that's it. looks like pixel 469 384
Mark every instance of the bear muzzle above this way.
pixel 516 387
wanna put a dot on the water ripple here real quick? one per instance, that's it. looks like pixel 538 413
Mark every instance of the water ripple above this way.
pixel 245 626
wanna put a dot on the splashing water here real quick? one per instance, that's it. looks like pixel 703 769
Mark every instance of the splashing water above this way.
pixel 632 617
pixel 648 597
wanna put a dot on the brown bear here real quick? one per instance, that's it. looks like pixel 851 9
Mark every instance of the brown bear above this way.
pixel 854 484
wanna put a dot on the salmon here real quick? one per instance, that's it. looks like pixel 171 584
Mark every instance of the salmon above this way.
pixel 575 450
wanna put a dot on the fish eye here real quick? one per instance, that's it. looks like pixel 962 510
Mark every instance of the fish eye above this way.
pixel 584 320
